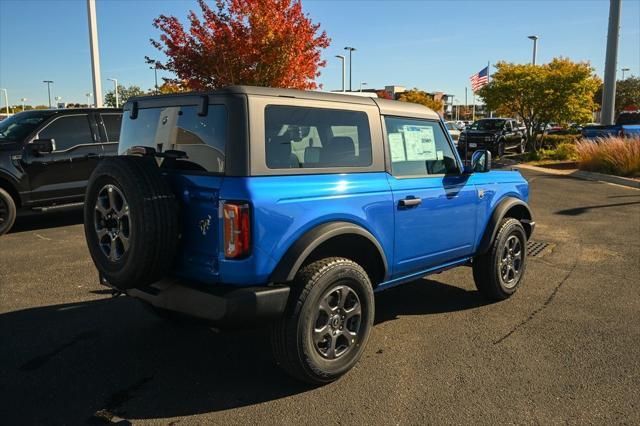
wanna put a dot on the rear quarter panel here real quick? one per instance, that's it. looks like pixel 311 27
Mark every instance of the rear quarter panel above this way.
pixel 286 207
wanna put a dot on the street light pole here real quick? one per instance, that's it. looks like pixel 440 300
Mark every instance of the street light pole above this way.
pixel 88 95
pixel 342 59
pixel 623 71
pixel 6 100
pixel 49 83
pixel 609 90
pixel 95 52
pixel 351 50
pixel 115 88
pixel 23 101
pixel 535 48
pixel 155 73
pixel 362 83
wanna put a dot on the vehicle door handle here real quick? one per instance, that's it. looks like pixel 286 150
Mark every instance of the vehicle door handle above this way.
pixel 410 202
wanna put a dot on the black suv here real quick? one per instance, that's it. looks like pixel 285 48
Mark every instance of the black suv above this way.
pixel 47 156
pixel 494 134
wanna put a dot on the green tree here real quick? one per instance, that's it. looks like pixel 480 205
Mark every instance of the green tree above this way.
pixel 423 98
pixel 561 91
pixel 627 94
pixel 124 93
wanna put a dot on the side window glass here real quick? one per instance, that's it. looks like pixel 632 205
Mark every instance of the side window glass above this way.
pixel 68 132
pixel 419 148
pixel 112 123
pixel 300 137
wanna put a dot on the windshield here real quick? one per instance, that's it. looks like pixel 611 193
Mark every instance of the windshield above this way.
pixel 19 126
pixel 487 125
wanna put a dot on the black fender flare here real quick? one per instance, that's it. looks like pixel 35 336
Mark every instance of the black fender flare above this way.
pixel 289 264
pixel 499 212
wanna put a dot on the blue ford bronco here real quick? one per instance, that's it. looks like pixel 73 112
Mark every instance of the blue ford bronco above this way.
pixel 248 206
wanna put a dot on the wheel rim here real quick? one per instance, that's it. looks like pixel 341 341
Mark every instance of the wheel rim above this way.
pixel 338 322
pixel 511 262
pixel 112 223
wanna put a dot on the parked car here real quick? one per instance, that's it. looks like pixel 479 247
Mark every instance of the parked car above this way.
pixel 454 131
pixel 252 205
pixel 494 134
pixel 627 125
pixel 47 156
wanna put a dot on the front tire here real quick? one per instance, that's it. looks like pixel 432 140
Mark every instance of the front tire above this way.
pixel 500 272
pixel 7 211
pixel 327 324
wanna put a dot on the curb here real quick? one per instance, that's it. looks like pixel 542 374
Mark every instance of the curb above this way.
pixel 580 174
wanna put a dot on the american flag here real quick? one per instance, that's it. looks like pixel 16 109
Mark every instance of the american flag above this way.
pixel 479 79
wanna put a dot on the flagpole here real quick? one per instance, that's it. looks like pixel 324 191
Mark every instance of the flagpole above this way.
pixel 488 80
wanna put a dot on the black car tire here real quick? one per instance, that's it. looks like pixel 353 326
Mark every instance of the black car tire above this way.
pixel 7 211
pixel 488 271
pixel 500 148
pixel 150 229
pixel 292 337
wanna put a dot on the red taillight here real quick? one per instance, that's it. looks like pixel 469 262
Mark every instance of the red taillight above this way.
pixel 237 230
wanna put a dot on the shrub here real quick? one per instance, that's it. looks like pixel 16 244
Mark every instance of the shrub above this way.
pixel 552 141
pixel 565 151
pixel 610 155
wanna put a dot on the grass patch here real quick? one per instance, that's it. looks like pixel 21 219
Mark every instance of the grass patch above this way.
pixel 616 156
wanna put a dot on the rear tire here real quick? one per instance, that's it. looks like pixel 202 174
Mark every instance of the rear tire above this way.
pixel 327 323
pixel 130 221
pixel 7 211
pixel 523 145
pixel 500 272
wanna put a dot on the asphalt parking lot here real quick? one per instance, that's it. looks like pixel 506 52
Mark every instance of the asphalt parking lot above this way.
pixel 563 350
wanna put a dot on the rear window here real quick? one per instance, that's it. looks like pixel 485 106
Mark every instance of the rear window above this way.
pixel 202 139
pixel 627 118
pixel 299 137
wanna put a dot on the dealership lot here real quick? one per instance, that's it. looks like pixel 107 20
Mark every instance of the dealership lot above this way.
pixel 563 349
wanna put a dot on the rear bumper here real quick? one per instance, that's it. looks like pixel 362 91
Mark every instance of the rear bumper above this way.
pixel 222 305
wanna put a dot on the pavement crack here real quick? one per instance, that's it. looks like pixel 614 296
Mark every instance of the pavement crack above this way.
pixel 40 360
pixel 546 303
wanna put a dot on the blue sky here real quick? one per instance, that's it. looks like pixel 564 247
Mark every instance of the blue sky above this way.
pixel 433 45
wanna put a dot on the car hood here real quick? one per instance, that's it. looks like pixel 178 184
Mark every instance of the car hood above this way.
pixel 481 132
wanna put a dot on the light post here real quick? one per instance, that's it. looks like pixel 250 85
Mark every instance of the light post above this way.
pixel 155 72
pixel 535 47
pixel 88 95
pixel 49 83
pixel 23 101
pixel 609 87
pixel 6 100
pixel 95 51
pixel 362 83
pixel 351 50
pixel 342 58
pixel 623 71
pixel 115 89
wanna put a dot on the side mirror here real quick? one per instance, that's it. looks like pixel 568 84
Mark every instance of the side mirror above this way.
pixel 481 161
pixel 43 146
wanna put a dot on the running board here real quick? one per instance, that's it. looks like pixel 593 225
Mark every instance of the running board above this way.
pixel 58 207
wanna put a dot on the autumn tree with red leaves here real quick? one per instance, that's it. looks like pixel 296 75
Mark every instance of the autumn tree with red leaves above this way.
pixel 253 42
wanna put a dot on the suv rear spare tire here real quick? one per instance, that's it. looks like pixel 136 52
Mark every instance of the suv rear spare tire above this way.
pixel 130 221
